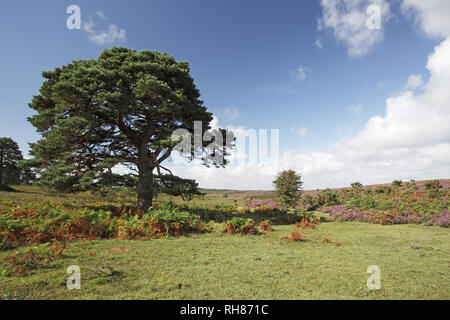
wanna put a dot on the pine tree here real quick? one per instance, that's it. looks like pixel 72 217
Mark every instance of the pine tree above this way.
pixel 121 108
pixel 10 155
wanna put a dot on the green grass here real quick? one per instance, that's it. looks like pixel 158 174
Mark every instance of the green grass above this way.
pixel 211 197
pixel 221 266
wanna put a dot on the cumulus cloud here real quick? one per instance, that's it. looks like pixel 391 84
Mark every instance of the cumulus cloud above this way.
pixel 214 123
pixel 246 176
pixel 431 16
pixel 347 21
pixel 414 120
pixel 410 141
pixel 101 37
pixel 414 81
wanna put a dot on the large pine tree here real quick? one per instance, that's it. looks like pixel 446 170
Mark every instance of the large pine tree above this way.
pixel 121 108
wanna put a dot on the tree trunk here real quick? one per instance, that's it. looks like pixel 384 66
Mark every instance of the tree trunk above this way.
pixel 145 184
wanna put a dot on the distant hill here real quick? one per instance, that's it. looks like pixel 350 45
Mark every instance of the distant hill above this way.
pixel 255 194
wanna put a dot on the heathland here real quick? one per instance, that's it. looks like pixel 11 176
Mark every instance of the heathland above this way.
pixel 228 244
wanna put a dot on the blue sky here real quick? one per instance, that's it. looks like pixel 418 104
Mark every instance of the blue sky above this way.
pixel 244 57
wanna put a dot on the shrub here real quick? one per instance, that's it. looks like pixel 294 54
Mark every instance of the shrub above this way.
pixel 225 208
pixel 293 216
pixel 441 220
pixel 357 186
pixel 264 211
pixel 433 188
pixel 434 194
pixel 266 226
pixel 307 202
pixel 327 198
pixel 435 184
pixel 208 214
pixel 158 223
pixel 241 225
pixel 296 235
pixel 394 206
pixel 397 183
pixel 308 222
pixel 42 221
pixel 383 190
pixel 397 215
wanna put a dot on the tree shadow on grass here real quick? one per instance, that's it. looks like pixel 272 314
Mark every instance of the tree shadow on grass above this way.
pixel 6 188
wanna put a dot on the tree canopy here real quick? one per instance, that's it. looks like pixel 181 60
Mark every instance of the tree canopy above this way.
pixel 119 109
pixel 288 185
pixel 10 155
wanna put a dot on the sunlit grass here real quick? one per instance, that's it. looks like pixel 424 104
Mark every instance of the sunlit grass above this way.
pixel 219 266
pixel 414 262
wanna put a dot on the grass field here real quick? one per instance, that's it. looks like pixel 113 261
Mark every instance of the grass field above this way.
pixel 414 262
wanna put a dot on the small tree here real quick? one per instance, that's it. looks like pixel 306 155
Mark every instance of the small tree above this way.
pixel 397 183
pixel 10 155
pixel 288 185
pixel 357 186
pixel 433 188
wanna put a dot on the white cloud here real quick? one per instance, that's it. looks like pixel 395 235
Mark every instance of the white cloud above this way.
pixel 432 16
pixel 113 33
pixel 414 81
pixel 214 123
pixel 231 113
pixel 356 109
pixel 411 141
pixel 101 15
pixel 414 120
pixel 347 19
pixel 300 73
